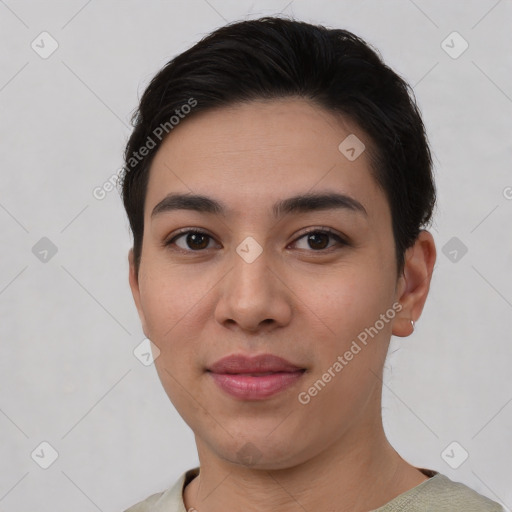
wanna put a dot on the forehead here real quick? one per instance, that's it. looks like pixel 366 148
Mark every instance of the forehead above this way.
pixel 261 151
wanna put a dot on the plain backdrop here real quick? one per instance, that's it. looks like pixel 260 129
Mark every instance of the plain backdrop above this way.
pixel 69 377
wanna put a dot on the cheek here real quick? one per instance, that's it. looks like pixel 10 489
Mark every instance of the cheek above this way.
pixel 349 302
pixel 178 307
pixel 170 294
pixel 171 302
pixel 350 306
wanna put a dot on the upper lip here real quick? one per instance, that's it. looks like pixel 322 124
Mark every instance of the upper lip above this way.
pixel 263 363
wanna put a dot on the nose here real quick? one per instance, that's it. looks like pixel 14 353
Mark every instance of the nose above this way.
pixel 253 296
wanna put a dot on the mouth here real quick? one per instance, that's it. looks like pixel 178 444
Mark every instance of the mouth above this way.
pixel 256 374
pixel 254 378
pixel 256 386
pixel 253 365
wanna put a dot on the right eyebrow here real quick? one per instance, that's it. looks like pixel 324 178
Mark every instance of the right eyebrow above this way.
pixel 198 203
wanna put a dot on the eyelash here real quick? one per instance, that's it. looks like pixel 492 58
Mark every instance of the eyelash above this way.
pixel 324 230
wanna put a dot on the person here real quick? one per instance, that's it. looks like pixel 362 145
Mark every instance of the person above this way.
pixel 278 183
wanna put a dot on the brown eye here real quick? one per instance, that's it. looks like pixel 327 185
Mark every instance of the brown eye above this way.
pixel 192 240
pixel 318 239
pixel 197 240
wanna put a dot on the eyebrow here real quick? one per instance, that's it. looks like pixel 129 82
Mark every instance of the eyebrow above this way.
pixel 302 203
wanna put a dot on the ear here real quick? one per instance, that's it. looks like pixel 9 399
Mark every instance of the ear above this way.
pixel 413 285
pixel 134 285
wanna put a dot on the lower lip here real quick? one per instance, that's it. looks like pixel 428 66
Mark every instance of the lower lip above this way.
pixel 247 387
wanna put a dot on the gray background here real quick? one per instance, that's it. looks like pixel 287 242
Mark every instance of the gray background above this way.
pixel 68 375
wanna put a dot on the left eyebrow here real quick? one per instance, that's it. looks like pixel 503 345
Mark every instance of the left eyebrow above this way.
pixel 313 202
pixel 301 203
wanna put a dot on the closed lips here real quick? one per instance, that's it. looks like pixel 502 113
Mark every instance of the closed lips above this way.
pixel 259 365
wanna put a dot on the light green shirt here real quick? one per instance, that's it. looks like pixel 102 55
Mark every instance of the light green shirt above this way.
pixel 437 494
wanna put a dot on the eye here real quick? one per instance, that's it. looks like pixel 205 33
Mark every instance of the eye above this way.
pixel 193 240
pixel 318 239
pixel 197 241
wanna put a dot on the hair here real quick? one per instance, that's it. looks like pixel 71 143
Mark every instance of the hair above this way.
pixel 274 58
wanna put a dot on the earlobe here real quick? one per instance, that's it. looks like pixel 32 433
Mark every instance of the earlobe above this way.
pixel 414 284
pixel 134 286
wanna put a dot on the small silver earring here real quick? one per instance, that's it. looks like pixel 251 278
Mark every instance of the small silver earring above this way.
pixel 412 323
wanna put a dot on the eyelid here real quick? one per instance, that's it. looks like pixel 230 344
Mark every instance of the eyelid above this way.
pixel 315 229
pixel 342 241
pixel 323 229
pixel 168 241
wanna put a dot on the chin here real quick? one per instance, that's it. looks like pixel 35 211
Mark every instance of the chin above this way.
pixel 260 453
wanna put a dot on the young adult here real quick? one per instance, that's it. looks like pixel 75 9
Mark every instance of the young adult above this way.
pixel 278 185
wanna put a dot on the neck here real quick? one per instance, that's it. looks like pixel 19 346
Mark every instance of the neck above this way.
pixel 360 471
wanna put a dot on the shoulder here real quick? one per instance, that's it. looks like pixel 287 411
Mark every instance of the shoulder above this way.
pixel 170 500
pixel 449 494
pixel 145 505
pixel 440 494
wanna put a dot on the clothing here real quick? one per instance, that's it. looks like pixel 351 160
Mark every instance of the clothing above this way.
pixel 437 494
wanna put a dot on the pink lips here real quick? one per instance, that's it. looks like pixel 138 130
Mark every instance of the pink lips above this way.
pixel 256 377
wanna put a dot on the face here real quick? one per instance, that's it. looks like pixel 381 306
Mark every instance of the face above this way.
pixel 266 274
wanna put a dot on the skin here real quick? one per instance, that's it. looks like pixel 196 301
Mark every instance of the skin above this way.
pixel 300 301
